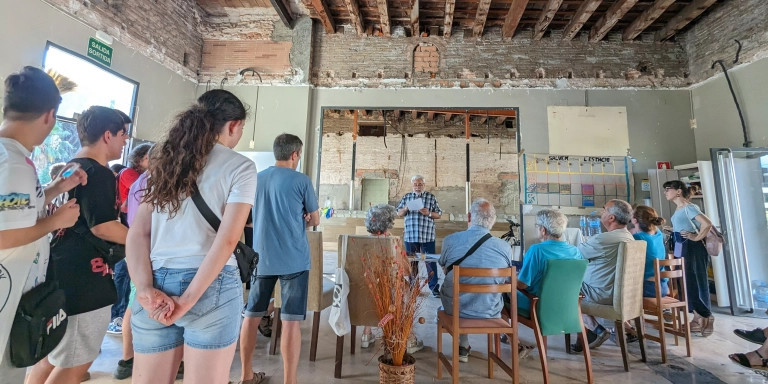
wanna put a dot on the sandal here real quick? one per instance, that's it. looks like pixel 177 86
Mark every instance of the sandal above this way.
pixel 743 360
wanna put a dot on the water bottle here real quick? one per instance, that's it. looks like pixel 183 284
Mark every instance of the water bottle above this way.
pixel 760 293
pixel 594 224
pixel 583 225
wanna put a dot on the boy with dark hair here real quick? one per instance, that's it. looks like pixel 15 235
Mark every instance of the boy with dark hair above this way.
pixel 29 113
pixel 83 267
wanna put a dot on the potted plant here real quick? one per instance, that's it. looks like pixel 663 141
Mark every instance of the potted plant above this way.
pixel 396 293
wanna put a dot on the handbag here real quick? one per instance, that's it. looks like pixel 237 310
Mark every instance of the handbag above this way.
pixel 714 240
pixel 246 257
pixel 39 325
pixel 339 316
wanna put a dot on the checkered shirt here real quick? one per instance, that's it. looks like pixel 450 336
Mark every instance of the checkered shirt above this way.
pixel 419 228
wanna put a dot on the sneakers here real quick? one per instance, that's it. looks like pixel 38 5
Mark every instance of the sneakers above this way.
pixel 414 345
pixel 464 354
pixel 367 340
pixel 265 326
pixel 600 339
pixel 124 369
pixel 116 326
pixel 756 335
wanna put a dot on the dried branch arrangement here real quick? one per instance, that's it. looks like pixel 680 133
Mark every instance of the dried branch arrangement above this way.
pixel 64 84
pixel 396 294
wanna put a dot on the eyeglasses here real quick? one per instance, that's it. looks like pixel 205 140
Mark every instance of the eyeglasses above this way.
pixel 669 189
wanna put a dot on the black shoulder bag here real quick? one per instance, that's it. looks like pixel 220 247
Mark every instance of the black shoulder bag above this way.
pixel 246 257
pixel 471 251
pixel 39 325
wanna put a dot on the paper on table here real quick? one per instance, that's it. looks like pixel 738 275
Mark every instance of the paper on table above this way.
pixel 415 204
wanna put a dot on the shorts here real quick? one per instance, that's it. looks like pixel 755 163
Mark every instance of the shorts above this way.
pixel 212 323
pixel 293 291
pixel 82 341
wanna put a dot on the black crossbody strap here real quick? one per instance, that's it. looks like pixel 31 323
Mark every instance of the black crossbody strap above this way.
pixel 204 209
pixel 471 251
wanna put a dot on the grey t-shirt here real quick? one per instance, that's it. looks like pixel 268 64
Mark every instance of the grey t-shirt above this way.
pixel 602 252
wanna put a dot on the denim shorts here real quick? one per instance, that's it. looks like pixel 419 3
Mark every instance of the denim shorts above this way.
pixel 293 293
pixel 212 323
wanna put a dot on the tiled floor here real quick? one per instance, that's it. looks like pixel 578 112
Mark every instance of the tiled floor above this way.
pixel 709 363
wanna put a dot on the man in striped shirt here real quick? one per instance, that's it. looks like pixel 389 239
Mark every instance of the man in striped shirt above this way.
pixel 419 235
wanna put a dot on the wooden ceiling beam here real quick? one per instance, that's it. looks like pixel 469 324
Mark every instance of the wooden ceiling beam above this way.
pixel 500 120
pixel 685 16
pixel 512 20
pixel 610 18
pixel 284 12
pixel 322 12
pixel 430 115
pixel 482 14
pixel 414 114
pixel 545 17
pixel 646 19
pixel 450 5
pixel 414 18
pixel 384 17
pixel 586 10
pixel 354 15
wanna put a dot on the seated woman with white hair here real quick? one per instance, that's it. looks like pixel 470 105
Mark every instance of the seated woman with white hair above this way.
pixel 379 219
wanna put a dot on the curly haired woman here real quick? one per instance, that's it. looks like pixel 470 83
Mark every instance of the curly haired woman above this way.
pixel 188 288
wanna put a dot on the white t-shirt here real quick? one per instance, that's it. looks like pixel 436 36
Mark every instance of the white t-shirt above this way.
pixel 22 203
pixel 184 240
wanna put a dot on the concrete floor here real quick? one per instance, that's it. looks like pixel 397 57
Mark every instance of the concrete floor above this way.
pixel 709 363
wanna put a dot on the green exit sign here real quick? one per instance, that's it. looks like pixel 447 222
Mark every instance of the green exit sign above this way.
pixel 100 52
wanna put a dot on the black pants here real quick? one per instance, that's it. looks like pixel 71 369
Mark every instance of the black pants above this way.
pixel 697 285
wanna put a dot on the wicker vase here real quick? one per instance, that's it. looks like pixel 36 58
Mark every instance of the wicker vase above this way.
pixel 390 374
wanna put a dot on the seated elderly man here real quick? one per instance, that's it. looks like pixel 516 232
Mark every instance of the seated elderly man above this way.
pixel 550 228
pixel 379 219
pixel 602 251
pixel 491 253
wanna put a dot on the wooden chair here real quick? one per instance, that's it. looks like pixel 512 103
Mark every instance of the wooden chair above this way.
pixel 455 326
pixel 627 296
pixel 362 309
pixel 319 295
pixel 556 311
pixel 654 307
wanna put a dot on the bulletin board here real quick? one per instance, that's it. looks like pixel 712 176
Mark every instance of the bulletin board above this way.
pixel 593 131
pixel 576 181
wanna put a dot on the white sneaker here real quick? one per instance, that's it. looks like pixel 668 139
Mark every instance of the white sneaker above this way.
pixel 367 340
pixel 414 345
pixel 116 326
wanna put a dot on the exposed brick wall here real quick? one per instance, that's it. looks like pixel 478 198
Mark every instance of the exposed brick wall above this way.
pixel 711 38
pixel 162 30
pixel 271 58
pixel 494 62
pixel 493 169
pixel 238 38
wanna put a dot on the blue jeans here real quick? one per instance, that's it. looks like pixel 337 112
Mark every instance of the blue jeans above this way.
pixel 428 247
pixel 213 322
pixel 293 293
pixel 123 285
pixel 649 288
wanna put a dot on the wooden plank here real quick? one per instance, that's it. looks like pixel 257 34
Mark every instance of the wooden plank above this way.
pixel 646 19
pixel 354 15
pixel 430 116
pixel 513 17
pixel 383 16
pixel 450 5
pixel 414 18
pixel 322 12
pixel 482 15
pixel 583 14
pixel 545 17
pixel 610 18
pixel 685 16
pixel 284 12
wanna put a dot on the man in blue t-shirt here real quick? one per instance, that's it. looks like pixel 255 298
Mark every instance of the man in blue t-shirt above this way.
pixel 285 206
pixel 550 228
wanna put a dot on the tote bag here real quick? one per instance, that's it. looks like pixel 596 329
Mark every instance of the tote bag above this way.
pixel 339 316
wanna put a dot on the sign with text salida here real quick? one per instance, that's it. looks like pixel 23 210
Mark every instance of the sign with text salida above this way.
pixel 100 52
